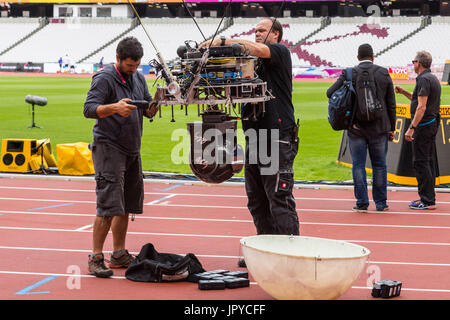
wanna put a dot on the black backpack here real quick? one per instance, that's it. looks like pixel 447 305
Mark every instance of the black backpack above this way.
pixel 368 106
pixel 152 266
pixel 340 104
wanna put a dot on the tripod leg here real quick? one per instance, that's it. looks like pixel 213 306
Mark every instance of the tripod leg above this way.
pixel 33 125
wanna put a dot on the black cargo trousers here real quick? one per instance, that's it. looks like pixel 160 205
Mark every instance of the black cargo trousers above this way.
pixel 425 161
pixel 270 199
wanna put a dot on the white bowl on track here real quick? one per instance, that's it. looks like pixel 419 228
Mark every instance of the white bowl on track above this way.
pixel 297 267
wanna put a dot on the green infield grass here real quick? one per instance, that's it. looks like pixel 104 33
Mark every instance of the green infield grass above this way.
pixel 165 143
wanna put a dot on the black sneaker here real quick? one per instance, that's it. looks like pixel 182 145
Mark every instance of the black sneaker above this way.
pixel 242 264
pixel 97 266
pixel 383 208
pixel 360 208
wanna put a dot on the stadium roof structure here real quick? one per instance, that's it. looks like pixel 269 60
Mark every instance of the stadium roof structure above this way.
pixel 155 1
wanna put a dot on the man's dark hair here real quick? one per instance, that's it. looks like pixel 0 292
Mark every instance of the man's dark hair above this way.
pixel 129 47
pixel 277 27
pixel 365 52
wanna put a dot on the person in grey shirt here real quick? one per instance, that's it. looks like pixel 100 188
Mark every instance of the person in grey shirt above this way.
pixel 115 149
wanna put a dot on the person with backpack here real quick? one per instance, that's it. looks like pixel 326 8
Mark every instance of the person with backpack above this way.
pixel 372 126
pixel 425 119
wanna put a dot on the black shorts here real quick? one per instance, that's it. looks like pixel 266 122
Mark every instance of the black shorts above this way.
pixel 119 179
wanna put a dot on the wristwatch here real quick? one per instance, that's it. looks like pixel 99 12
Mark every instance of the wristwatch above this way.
pixel 412 127
pixel 223 40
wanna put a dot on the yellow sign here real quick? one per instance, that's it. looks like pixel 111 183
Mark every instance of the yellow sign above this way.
pixel 399 73
pixel 403 110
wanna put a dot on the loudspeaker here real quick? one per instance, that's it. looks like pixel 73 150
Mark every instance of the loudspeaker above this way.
pixel 16 154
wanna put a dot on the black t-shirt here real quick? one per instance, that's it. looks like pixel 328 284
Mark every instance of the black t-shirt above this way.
pixel 427 85
pixel 277 72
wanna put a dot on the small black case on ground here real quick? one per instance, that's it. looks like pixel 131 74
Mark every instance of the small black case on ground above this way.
pixel 386 289
pixel 239 274
pixel 236 283
pixel 204 276
pixel 211 284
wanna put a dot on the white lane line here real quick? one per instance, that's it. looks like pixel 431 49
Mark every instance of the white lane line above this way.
pixel 105 251
pixel 118 277
pixel 323 211
pixel 411 289
pixel 54 274
pixel 84 227
pixel 232 220
pixel 165 204
pixel 200 194
pixel 161 199
pixel 427 264
pixel 129 232
pixel 137 217
pixel 70 275
pixel 221 236
pixel 46 200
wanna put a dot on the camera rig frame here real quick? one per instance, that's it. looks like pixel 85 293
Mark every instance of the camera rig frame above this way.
pixel 220 78
pixel 215 77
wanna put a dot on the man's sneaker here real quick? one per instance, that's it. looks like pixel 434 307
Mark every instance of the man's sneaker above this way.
pixel 121 259
pixel 360 208
pixel 422 206
pixel 383 208
pixel 242 264
pixel 97 266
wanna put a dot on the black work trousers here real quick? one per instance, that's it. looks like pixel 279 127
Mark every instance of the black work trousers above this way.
pixel 425 161
pixel 270 199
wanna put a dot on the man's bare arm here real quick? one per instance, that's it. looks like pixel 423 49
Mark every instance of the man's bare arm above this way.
pixel 254 49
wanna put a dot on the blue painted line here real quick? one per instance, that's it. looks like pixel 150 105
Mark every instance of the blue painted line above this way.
pixel 169 188
pixel 34 286
pixel 56 205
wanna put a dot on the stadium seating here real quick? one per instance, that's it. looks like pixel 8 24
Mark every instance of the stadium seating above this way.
pixel 312 43
pixel 337 44
pixel 76 37
pixel 14 29
pixel 167 33
pixel 433 38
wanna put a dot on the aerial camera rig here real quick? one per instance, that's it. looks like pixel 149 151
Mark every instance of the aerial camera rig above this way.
pixel 217 78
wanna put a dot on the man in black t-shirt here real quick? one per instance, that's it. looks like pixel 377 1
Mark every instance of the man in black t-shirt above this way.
pixel 425 106
pixel 269 180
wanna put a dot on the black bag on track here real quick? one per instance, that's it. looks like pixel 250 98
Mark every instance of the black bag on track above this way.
pixel 152 266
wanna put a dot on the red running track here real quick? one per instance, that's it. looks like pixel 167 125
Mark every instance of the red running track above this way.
pixel 46 237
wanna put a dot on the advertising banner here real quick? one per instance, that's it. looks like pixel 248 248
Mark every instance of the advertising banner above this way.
pixel 21 67
pixel 78 68
pixel 315 72
pixel 399 73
